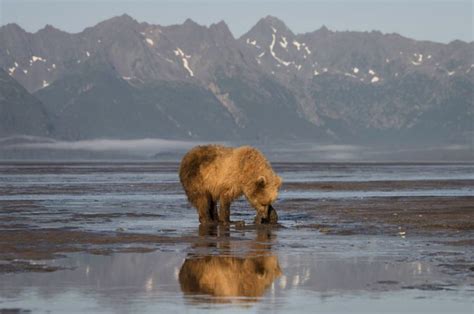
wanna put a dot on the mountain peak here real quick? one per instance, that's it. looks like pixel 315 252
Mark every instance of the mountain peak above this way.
pixel 123 19
pixel 220 24
pixel 190 22
pixel 116 24
pixel 274 22
pixel 12 27
pixel 48 28
pixel 268 24
pixel 324 29
pixel 221 28
pixel 272 19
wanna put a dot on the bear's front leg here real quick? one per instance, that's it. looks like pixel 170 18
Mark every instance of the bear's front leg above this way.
pixel 272 215
pixel 258 219
pixel 268 217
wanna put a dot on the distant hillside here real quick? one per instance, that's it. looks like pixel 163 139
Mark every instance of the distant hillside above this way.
pixel 20 112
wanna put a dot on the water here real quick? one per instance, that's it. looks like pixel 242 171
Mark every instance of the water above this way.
pixel 126 283
pixel 286 269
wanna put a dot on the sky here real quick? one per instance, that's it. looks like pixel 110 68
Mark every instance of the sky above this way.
pixel 440 21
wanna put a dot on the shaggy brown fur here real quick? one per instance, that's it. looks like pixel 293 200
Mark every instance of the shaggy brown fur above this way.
pixel 217 174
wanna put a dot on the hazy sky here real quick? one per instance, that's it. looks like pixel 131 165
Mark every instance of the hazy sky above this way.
pixel 434 20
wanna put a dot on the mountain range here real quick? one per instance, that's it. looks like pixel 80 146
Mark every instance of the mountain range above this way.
pixel 125 79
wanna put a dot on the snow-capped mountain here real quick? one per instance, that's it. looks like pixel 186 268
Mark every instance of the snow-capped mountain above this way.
pixel 122 78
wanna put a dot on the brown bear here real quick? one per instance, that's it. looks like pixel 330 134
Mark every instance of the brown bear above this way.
pixel 215 173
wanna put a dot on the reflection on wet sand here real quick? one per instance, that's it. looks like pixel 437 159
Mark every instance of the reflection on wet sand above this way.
pixel 221 275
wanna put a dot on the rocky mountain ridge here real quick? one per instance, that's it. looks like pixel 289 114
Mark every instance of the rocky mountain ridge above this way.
pixel 121 78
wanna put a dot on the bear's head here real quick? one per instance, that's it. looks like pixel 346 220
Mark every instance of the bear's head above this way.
pixel 263 192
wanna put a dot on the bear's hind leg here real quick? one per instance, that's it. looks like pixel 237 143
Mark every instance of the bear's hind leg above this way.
pixel 213 210
pixel 204 207
pixel 224 210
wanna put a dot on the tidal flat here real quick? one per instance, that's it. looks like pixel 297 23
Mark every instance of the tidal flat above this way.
pixel 116 237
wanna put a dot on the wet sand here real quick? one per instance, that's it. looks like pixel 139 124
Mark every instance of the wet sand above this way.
pixel 409 216
pixel 87 235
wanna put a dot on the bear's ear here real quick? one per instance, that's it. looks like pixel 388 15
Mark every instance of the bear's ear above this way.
pixel 261 182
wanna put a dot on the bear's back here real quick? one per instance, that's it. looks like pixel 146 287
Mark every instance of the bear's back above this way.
pixel 200 158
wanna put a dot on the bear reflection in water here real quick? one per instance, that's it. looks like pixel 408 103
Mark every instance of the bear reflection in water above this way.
pixel 231 276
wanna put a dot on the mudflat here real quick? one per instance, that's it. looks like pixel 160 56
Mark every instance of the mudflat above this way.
pixel 359 236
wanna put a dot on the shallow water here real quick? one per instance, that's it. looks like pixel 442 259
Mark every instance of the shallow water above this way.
pixel 125 283
pixel 283 269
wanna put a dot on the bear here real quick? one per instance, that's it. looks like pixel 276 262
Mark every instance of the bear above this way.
pixel 212 174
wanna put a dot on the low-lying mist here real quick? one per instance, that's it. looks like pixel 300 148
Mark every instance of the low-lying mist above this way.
pixel 28 147
pixel 41 148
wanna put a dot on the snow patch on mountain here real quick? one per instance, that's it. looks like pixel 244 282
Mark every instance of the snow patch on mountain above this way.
pixel 150 41
pixel 297 45
pixel 285 63
pixel 12 69
pixel 251 42
pixel 184 59
pixel 419 59
pixel 35 58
